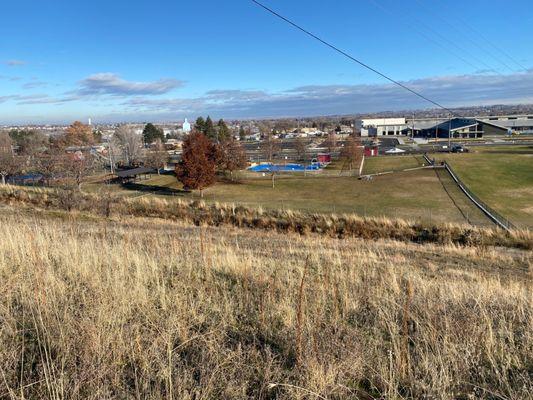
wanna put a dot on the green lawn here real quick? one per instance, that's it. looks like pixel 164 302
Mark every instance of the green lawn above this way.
pixel 374 165
pixel 414 195
pixel 501 176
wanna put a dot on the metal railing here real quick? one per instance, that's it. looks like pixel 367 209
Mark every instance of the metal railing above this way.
pixel 428 160
pixel 496 217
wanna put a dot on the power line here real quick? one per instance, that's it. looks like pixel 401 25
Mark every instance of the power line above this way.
pixel 457 55
pixel 475 43
pixel 451 42
pixel 331 46
pixel 484 38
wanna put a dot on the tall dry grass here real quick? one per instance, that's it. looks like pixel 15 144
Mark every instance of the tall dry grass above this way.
pixel 149 309
pixel 200 213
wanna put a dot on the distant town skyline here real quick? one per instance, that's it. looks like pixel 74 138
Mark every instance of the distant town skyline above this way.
pixel 165 61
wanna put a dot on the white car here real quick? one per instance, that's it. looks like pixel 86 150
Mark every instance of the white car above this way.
pixel 395 151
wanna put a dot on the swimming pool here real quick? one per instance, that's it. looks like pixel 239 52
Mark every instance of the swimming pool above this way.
pixel 268 167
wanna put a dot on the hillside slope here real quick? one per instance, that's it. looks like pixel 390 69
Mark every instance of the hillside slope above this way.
pixel 154 309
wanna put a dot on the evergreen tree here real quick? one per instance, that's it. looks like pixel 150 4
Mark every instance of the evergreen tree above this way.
pixel 223 131
pixel 200 125
pixel 29 142
pixel 242 133
pixel 209 129
pixel 151 133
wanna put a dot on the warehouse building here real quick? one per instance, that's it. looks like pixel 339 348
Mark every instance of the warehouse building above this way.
pixel 381 126
pixel 443 128
pixel 521 124
pixel 467 128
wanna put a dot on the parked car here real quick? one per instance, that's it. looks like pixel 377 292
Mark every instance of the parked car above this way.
pixel 395 150
pixel 459 149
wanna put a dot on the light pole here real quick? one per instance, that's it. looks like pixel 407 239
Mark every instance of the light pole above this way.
pixel 449 133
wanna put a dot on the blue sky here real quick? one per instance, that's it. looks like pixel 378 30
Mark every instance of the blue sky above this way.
pixel 163 60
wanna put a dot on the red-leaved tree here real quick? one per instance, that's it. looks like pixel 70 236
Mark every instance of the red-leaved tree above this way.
pixel 197 167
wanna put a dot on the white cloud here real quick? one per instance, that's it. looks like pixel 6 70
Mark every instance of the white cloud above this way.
pixel 113 85
pixel 151 100
pixel 450 91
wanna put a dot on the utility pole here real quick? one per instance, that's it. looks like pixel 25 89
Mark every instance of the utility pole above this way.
pixel 111 161
pixel 450 133
pixel 436 133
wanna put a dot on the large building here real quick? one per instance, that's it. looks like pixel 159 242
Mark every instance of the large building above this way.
pixel 516 123
pixel 381 126
pixel 475 127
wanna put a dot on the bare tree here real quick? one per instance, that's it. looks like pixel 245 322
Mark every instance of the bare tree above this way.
pixel 9 163
pixel 270 146
pixel 331 142
pixel 352 152
pixel 78 166
pixel 232 156
pixel 157 157
pixel 265 128
pixel 301 148
pixel 50 164
pixel 130 142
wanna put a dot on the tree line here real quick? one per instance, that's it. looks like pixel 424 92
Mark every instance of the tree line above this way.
pixel 209 150
pixel 31 152
pixel 69 157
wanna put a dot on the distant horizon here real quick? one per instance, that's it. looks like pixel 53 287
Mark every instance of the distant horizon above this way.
pixel 406 112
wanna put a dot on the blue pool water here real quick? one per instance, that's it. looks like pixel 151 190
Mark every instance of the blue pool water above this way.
pixel 284 167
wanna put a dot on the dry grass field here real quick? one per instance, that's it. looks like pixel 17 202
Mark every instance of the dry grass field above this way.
pixel 98 308
pixel 108 203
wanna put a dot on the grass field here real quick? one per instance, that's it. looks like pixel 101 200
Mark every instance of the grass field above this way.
pixel 501 176
pixel 374 165
pixel 414 195
pixel 152 309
